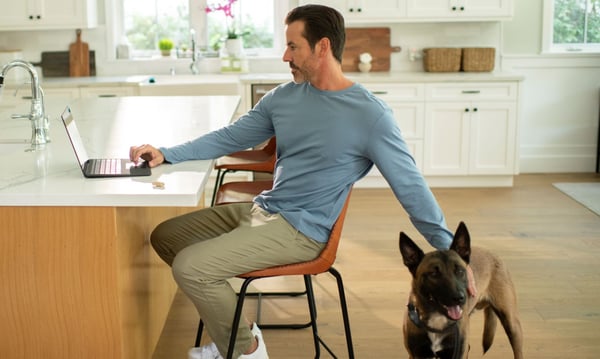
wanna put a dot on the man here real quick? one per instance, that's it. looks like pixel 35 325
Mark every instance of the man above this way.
pixel 330 131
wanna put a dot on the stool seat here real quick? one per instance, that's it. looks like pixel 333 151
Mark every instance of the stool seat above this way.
pixel 235 192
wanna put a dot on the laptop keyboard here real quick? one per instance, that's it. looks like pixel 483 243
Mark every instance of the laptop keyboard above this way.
pixel 107 166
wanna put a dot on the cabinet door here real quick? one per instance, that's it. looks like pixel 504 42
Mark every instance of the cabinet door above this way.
pixel 446 146
pixel 428 8
pixel 13 13
pixel 459 10
pixel 485 8
pixel 47 14
pixel 61 94
pixel 406 102
pixel 378 10
pixel 493 138
pixel 357 11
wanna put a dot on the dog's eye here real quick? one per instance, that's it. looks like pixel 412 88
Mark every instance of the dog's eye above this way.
pixel 435 273
pixel 460 271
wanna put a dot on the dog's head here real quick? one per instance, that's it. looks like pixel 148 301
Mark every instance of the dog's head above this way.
pixel 440 277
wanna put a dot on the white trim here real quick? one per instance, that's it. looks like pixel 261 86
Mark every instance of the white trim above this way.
pixel 515 62
pixel 547 25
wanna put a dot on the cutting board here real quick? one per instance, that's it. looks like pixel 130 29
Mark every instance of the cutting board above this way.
pixel 79 57
pixel 374 40
pixel 56 63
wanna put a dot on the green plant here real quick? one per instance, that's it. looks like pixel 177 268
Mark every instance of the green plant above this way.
pixel 165 44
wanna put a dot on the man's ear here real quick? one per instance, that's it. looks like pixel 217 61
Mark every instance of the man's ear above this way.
pixel 323 47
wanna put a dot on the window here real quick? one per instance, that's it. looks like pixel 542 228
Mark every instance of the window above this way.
pixel 571 26
pixel 143 23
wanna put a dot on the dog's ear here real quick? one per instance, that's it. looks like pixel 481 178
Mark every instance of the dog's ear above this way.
pixel 411 253
pixel 462 242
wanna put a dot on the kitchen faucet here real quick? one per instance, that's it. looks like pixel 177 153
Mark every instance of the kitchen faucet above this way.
pixel 40 133
pixel 193 66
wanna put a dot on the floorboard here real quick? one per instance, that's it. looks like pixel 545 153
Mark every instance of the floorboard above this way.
pixel 550 242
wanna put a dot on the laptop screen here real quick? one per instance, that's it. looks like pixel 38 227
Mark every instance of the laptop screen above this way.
pixel 74 136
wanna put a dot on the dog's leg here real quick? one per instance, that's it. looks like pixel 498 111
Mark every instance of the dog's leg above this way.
pixel 512 326
pixel 490 322
pixel 505 306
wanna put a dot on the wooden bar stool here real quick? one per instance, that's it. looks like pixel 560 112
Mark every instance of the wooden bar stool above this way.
pixel 323 263
pixel 258 160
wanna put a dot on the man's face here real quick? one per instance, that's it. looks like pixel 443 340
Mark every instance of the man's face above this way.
pixel 298 54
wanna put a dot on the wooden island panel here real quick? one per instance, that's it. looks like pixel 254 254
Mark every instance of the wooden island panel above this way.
pixel 82 282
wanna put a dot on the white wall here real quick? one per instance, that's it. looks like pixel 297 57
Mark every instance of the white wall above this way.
pixel 560 97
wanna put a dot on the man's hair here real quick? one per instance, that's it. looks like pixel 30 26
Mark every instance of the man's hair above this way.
pixel 319 22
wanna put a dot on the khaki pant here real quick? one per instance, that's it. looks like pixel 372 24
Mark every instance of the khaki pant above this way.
pixel 207 247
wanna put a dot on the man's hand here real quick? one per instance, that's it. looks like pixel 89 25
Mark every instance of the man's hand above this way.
pixel 148 153
pixel 472 289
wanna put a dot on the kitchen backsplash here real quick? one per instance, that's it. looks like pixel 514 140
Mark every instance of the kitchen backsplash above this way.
pixel 407 36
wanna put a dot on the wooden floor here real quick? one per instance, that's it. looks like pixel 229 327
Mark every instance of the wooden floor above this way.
pixel 550 242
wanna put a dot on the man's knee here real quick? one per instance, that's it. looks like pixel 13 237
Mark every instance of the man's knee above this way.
pixel 186 268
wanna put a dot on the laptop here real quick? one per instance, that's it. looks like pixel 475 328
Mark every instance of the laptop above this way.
pixel 99 167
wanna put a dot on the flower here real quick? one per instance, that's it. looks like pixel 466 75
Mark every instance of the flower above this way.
pixel 226 8
pixel 365 58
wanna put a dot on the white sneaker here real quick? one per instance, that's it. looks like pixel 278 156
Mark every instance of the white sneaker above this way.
pixel 256 330
pixel 209 351
pixel 261 350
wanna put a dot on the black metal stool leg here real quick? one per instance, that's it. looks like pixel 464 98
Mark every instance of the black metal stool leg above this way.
pixel 199 333
pixel 312 308
pixel 238 316
pixel 344 307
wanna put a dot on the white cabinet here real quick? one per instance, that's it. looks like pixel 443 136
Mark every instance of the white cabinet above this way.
pixel 407 103
pixel 47 14
pixel 470 129
pixel 459 10
pixel 357 11
pixel 107 91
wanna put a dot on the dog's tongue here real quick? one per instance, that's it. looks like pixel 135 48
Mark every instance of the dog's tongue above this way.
pixel 455 312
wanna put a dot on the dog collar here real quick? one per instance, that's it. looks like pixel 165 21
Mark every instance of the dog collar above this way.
pixel 413 314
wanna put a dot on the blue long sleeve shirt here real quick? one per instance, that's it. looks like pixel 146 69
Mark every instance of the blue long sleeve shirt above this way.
pixel 326 141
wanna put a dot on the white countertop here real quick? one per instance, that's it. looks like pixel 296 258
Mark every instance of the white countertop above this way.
pixel 51 176
pixel 258 78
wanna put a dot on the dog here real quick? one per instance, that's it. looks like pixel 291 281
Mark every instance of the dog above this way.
pixel 436 322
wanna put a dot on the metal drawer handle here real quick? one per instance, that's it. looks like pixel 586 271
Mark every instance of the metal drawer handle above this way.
pixel 107 95
pixel 471 91
pixel 380 92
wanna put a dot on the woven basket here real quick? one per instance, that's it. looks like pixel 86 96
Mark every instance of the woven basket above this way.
pixel 441 59
pixel 478 59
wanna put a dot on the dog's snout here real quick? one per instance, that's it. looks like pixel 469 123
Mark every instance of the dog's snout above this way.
pixel 460 298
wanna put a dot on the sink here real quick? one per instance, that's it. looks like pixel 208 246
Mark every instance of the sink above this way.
pixel 189 79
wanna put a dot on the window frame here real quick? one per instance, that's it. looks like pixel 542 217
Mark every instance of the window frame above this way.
pixel 115 28
pixel 548 47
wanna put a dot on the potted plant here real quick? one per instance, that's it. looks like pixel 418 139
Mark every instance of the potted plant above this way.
pixel 233 39
pixel 165 46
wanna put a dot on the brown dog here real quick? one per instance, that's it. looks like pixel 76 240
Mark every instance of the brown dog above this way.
pixel 436 324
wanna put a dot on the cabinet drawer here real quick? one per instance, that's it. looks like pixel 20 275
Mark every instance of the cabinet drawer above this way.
pixel 108 91
pixel 488 91
pixel 397 92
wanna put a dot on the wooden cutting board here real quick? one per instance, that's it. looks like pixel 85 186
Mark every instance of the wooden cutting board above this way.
pixel 56 63
pixel 374 40
pixel 79 57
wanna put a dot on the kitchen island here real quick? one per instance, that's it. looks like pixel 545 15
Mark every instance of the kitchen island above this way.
pixel 79 277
